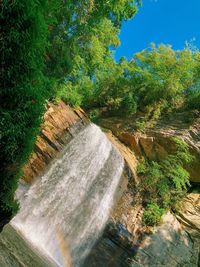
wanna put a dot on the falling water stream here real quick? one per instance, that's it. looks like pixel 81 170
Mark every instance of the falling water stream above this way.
pixel 68 207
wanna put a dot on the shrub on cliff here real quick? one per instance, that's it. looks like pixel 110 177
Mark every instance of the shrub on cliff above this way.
pixel 164 182
pixel 152 214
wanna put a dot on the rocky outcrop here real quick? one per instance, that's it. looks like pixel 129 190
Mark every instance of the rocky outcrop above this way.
pixel 126 242
pixel 169 245
pixel 189 212
pixel 60 124
pixel 128 155
pixel 114 249
pixel 176 241
pixel 157 143
pixel 189 217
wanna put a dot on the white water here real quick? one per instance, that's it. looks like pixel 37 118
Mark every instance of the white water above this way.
pixel 73 198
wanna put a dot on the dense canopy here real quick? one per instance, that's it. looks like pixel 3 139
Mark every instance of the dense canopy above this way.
pixel 64 49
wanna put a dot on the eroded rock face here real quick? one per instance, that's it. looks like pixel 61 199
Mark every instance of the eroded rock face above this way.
pixel 157 143
pixel 114 249
pixel 189 217
pixel 176 242
pixel 126 242
pixel 128 155
pixel 168 246
pixel 189 213
pixel 60 124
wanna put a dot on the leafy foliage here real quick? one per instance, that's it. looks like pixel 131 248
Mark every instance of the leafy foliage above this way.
pixel 152 214
pixel 194 100
pixel 24 87
pixel 155 81
pixel 50 49
pixel 164 182
pixel 88 37
pixel 64 50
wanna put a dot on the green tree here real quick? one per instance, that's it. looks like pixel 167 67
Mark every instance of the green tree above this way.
pixel 46 46
pixel 88 35
pixel 24 88
pixel 155 80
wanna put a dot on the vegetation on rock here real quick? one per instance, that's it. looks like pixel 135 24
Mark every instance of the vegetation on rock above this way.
pixel 47 47
pixel 64 50
pixel 156 81
pixel 164 182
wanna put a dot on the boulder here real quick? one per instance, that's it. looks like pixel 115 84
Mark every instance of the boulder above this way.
pixel 169 245
pixel 176 241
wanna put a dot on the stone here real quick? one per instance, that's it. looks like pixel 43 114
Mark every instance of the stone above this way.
pixel 189 213
pixel 126 242
pixel 189 217
pixel 168 246
pixel 129 157
pixel 58 119
pixel 147 144
pixel 132 141
pixel 156 143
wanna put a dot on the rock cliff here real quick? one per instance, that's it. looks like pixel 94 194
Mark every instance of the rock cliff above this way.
pixel 126 242
pixel 156 143
pixel 176 241
pixel 60 125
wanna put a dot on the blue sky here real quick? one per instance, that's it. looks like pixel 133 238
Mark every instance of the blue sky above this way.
pixel 161 21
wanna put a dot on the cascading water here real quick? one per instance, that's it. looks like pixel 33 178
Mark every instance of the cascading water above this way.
pixel 72 201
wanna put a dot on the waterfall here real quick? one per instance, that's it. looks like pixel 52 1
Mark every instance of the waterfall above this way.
pixel 69 205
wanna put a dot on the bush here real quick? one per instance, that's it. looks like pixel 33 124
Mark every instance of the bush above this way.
pixel 156 81
pixel 140 125
pixel 128 104
pixel 94 115
pixel 152 214
pixel 165 182
pixel 69 95
pixel 194 100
